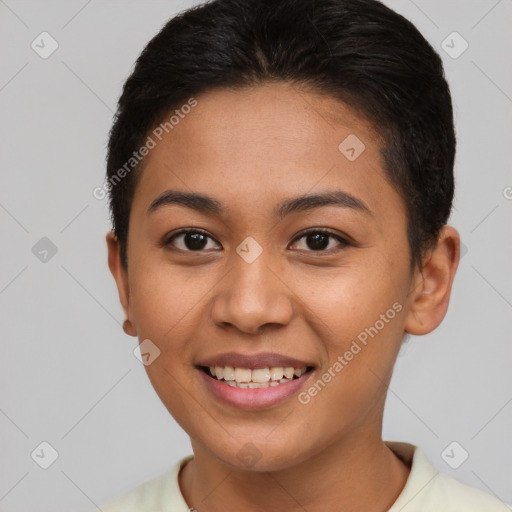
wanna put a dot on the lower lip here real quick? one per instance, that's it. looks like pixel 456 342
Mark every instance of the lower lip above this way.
pixel 256 398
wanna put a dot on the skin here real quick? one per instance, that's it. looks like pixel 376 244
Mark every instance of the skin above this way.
pixel 251 150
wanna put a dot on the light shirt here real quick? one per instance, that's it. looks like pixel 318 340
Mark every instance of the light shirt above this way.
pixel 426 490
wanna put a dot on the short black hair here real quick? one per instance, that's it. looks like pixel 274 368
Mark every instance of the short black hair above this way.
pixel 358 51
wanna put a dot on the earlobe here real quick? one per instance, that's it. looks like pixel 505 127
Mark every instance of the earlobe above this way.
pixel 431 288
pixel 128 328
pixel 120 274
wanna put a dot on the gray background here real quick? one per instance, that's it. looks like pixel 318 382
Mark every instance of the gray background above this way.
pixel 68 373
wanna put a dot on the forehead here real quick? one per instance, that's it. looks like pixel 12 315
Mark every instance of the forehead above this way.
pixel 260 144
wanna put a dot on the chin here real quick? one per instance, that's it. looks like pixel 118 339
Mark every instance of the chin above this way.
pixel 251 454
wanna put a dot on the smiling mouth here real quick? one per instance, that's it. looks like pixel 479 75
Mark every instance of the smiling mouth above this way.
pixel 247 378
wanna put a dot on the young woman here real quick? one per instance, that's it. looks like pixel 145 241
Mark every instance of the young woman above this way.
pixel 280 177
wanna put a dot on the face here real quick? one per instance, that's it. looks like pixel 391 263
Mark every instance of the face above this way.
pixel 254 275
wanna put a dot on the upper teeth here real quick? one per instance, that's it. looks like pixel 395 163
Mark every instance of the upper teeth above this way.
pixel 258 375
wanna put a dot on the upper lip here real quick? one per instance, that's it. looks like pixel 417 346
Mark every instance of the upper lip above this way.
pixel 252 361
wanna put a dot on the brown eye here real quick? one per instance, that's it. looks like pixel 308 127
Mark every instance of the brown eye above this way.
pixel 190 240
pixel 320 241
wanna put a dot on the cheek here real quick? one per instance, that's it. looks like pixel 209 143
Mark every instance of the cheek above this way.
pixel 352 299
pixel 164 300
pixel 361 325
pixel 361 355
pixel 165 307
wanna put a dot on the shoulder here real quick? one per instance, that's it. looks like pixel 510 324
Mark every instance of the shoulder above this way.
pixel 430 490
pixel 456 496
pixel 161 494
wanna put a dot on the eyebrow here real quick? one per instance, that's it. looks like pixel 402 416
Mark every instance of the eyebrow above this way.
pixel 209 205
pixel 311 201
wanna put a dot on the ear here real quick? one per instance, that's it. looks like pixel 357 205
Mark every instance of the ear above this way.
pixel 431 287
pixel 120 274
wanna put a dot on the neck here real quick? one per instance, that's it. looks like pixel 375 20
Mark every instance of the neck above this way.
pixel 349 476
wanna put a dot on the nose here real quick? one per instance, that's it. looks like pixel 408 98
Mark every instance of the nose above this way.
pixel 251 296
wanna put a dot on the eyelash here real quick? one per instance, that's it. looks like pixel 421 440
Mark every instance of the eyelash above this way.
pixel 344 242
